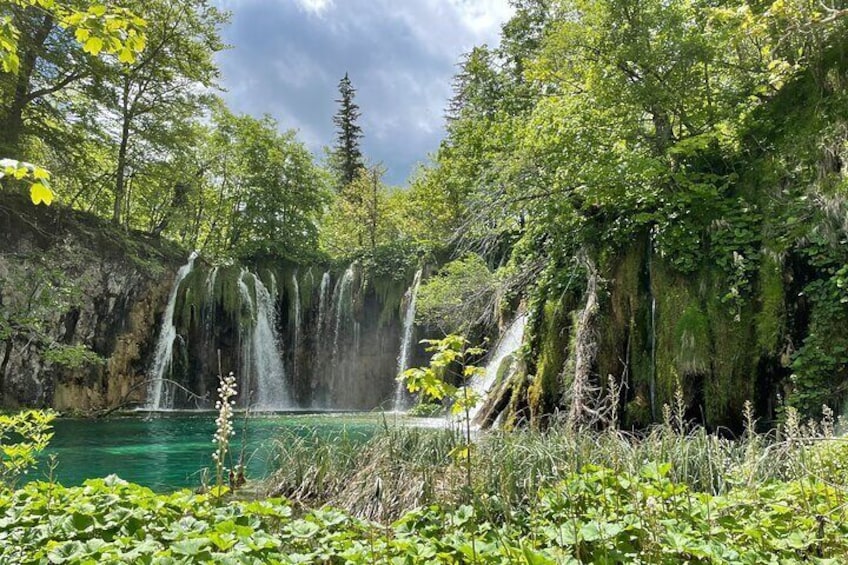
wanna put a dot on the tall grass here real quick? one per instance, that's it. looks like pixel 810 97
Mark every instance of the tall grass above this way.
pixel 404 467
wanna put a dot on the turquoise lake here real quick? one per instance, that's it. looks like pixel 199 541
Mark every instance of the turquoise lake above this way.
pixel 167 451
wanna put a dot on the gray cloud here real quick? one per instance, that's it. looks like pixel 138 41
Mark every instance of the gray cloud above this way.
pixel 289 55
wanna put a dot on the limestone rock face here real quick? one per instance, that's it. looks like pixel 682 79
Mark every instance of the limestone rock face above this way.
pixel 79 304
pixel 82 302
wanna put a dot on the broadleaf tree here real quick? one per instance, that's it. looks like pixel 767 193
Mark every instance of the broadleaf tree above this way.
pixel 45 47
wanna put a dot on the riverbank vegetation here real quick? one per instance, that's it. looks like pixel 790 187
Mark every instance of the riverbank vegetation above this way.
pixel 669 495
pixel 405 468
pixel 594 516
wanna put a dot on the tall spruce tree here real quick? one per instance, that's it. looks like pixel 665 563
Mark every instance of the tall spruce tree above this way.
pixel 347 157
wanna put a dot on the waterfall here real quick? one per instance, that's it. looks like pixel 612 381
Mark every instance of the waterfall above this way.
pixel 210 282
pixel 343 310
pixel 297 320
pixel 508 344
pixel 209 302
pixel 343 288
pixel 157 395
pixel 266 363
pixel 401 395
pixel 323 295
pixel 208 319
pixel 311 277
pixel 246 302
pixel 273 290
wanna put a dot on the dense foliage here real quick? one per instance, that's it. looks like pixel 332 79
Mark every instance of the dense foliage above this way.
pixel 592 516
pixel 459 296
pixel 120 107
pixel 666 178
pixel 23 436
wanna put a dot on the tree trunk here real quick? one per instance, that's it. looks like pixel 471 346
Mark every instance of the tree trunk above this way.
pixel 120 176
pixel 12 122
pixel 7 354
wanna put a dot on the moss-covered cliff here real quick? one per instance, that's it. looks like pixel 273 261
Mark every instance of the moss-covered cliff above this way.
pixel 338 332
pixel 79 307
pixel 740 295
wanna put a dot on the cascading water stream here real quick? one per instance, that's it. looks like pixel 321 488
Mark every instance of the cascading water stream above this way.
pixel 267 369
pixel 297 317
pixel 507 345
pixel 210 281
pixel 401 395
pixel 247 307
pixel 209 302
pixel 343 289
pixel 343 311
pixel 323 296
pixel 157 393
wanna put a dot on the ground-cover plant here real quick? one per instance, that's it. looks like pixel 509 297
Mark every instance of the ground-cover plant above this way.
pixel 595 515
pixel 675 494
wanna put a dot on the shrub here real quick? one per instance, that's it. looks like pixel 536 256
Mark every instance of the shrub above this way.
pixel 23 436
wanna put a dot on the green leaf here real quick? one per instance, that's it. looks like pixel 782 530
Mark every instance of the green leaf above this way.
pixel 536 558
pixel 39 193
pixel 190 547
pixel 126 56
pixel 94 45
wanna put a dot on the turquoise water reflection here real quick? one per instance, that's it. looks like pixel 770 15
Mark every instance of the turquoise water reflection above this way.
pixel 167 451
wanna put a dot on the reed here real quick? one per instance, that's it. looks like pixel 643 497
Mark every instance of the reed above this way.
pixel 403 467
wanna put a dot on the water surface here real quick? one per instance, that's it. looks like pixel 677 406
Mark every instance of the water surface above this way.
pixel 166 451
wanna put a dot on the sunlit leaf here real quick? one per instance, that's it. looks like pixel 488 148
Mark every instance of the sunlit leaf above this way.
pixel 39 194
pixel 94 45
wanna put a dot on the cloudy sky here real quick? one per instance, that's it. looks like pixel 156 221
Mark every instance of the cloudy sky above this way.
pixel 288 56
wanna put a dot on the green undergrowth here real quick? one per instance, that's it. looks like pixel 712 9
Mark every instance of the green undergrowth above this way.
pixel 399 468
pixel 595 515
pixel 674 494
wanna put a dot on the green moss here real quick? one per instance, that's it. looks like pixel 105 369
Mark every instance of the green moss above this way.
pixel 270 279
pixel 389 293
pixel 545 390
pixel 228 295
pixel 692 335
pixel 517 413
pixel 191 297
pixel 624 347
pixel 734 361
pixel 567 374
pixel 705 344
pixel 674 295
pixel 771 319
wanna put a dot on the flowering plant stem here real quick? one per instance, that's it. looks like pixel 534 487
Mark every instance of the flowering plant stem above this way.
pixel 224 422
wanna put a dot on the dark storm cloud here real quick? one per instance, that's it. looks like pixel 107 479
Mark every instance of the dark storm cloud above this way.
pixel 288 56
